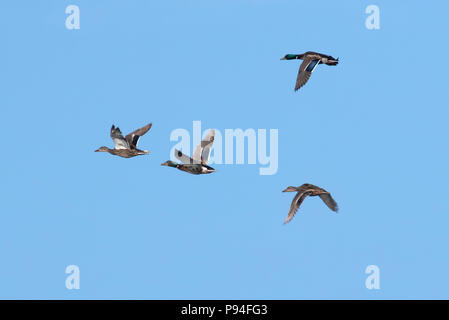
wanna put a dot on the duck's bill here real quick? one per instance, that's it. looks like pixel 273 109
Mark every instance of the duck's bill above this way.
pixel 164 164
pixel 283 58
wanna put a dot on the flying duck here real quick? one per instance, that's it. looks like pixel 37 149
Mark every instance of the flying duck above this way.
pixel 310 61
pixel 198 163
pixel 308 190
pixel 126 147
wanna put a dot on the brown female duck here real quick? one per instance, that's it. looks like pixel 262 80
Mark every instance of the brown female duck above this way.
pixel 126 147
pixel 308 190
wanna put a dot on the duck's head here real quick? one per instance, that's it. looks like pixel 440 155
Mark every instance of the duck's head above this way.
pixel 290 189
pixel 169 163
pixel 102 149
pixel 291 56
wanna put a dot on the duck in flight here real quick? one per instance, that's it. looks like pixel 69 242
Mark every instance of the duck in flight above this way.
pixel 126 147
pixel 198 163
pixel 308 190
pixel 310 61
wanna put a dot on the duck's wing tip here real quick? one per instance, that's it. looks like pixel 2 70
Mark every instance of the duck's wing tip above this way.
pixel 305 71
pixel 133 137
pixel 330 202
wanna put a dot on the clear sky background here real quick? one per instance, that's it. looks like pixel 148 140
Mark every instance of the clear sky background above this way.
pixel 373 131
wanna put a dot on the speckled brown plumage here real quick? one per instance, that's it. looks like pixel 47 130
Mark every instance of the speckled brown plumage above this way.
pixel 303 192
pixel 126 147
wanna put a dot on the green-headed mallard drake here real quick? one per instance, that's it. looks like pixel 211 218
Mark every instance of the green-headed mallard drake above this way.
pixel 198 163
pixel 308 190
pixel 310 61
pixel 126 147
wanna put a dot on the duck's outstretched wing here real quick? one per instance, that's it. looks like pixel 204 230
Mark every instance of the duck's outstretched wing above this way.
pixel 119 141
pixel 296 203
pixel 202 151
pixel 329 201
pixel 133 137
pixel 323 194
pixel 182 157
pixel 305 71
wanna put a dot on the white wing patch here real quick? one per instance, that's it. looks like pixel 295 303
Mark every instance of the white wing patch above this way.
pixel 120 144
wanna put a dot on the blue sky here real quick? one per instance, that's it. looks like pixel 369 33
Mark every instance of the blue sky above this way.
pixel 372 131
